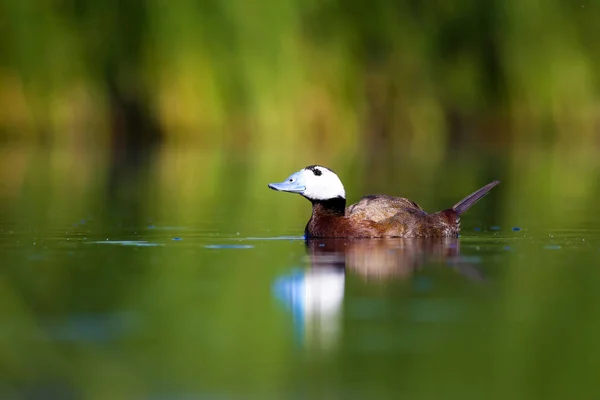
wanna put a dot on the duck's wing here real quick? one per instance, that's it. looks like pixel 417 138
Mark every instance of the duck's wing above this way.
pixel 379 207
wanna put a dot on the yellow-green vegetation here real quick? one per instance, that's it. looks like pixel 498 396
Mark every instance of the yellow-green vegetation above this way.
pixel 315 75
pixel 364 87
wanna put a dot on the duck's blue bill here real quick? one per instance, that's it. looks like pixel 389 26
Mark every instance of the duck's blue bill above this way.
pixel 292 187
pixel 293 184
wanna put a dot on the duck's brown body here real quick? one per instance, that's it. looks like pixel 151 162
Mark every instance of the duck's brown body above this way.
pixel 374 216
pixel 380 216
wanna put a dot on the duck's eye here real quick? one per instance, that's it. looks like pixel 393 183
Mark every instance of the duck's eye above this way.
pixel 291 180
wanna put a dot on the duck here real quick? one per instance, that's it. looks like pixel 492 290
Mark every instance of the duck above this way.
pixel 373 216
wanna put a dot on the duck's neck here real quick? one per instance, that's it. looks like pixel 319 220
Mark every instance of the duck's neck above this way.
pixel 325 213
pixel 332 207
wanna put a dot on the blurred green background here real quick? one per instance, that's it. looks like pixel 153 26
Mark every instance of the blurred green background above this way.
pixel 383 92
pixel 152 121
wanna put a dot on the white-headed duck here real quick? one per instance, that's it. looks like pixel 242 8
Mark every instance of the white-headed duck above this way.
pixel 373 216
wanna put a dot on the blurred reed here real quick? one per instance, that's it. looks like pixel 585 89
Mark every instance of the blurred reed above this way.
pixel 182 98
pixel 325 76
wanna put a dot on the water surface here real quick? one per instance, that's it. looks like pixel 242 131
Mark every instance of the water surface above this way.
pixel 164 286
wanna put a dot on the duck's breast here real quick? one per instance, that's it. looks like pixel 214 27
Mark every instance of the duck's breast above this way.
pixel 341 227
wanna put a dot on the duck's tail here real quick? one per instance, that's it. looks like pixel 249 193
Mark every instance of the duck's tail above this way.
pixel 473 198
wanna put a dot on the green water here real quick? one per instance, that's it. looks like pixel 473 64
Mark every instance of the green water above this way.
pixel 182 276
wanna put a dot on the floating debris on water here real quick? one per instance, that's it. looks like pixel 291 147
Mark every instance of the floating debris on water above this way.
pixel 495 228
pixel 516 228
pixel 477 229
pixel 228 246
pixel 177 238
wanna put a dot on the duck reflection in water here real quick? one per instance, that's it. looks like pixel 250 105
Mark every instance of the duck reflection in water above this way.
pixel 315 295
pixel 380 259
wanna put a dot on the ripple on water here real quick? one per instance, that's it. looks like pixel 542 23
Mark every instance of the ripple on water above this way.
pixel 228 246
pixel 277 238
pixel 91 327
pixel 552 247
pixel 139 243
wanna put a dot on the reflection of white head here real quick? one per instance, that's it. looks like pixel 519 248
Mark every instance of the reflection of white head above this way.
pixel 321 183
pixel 323 300
pixel 316 296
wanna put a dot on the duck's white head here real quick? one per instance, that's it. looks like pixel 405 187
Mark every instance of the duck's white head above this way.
pixel 314 182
